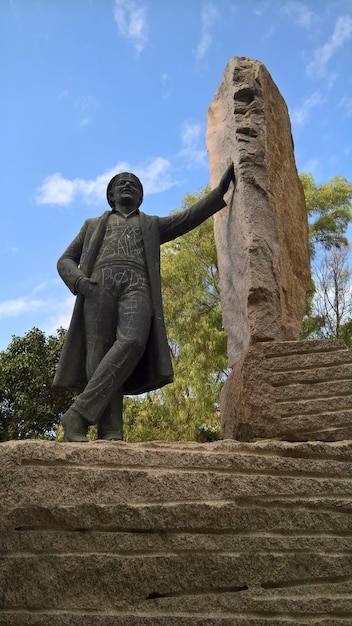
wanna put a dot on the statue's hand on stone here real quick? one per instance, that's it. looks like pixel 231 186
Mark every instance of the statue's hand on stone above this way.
pixel 227 178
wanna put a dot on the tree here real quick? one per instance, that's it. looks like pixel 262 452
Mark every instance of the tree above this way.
pixel 29 407
pixel 190 285
pixel 329 211
pixel 334 293
pixel 331 305
pixel 328 310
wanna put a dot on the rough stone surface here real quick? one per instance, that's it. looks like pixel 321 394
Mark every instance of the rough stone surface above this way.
pixel 292 390
pixel 160 534
pixel 262 235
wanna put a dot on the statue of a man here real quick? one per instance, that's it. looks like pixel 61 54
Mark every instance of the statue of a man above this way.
pixel 116 343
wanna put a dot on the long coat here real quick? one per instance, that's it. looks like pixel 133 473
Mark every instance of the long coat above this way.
pixel 154 369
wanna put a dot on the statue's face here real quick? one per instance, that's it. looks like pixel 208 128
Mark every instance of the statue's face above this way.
pixel 126 191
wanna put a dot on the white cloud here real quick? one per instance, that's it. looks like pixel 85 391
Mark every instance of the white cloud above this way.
pixel 154 174
pixel 209 16
pixel 131 21
pixel 166 83
pixel 261 8
pixel 314 167
pixel 10 249
pixel 61 317
pixel 20 306
pixel 62 95
pixel 342 33
pixel 346 104
pixel 190 133
pixel 301 115
pixel 54 312
pixel 56 190
pixel 86 106
pixel 299 13
pixel 191 136
pixel 45 284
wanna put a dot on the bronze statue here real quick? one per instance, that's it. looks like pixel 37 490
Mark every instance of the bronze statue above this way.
pixel 116 343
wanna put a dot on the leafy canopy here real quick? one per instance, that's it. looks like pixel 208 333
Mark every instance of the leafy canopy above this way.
pixel 329 211
pixel 328 310
pixel 29 407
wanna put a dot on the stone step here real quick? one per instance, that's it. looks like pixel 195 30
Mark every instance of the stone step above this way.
pixel 182 534
pixel 291 390
pixel 314 406
pixel 334 424
pixel 326 390
pixel 336 373
pixel 289 348
pixel 308 360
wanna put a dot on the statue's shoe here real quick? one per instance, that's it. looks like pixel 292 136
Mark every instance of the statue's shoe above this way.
pixel 110 435
pixel 75 426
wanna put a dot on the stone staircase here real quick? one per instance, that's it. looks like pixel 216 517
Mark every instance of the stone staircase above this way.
pixel 164 534
pixel 290 390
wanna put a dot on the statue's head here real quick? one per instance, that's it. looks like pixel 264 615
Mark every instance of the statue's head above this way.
pixel 124 188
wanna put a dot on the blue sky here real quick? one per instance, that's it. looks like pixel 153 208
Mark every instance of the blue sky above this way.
pixel 93 87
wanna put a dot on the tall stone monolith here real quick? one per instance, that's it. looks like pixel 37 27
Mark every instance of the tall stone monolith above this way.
pixel 262 235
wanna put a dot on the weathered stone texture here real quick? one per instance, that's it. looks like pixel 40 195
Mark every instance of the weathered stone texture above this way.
pixel 293 390
pixel 262 235
pixel 109 534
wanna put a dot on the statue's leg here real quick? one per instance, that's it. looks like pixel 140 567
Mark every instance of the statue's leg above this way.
pixel 100 330
pixel 110 425
pixel 100 318
pixel 132 331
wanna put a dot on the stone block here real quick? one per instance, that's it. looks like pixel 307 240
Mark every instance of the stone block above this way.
pixel 292 390
pixel 262 234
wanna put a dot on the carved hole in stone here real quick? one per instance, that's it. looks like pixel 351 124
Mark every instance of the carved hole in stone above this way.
pixel 154 595
pixel 245 110
pixel 192 592
pixel 258 294
pixel 249 131
pixel 300 582
pixel 244 94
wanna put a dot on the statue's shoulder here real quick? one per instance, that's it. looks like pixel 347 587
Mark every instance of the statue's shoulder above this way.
pixel 101 217
pixel 148 218
pixel 92 222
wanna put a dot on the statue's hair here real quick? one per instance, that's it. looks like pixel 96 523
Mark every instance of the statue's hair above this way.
pixel 117 177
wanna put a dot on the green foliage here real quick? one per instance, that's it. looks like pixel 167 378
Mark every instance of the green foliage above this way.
pixel 329 211
pixel 190 285
pixel 209 431
pixel 328 309
pixel 313 323
pixel 29 407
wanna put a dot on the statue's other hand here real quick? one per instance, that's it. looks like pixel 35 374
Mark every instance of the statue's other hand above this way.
pixel 86 286
pixel 227 178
